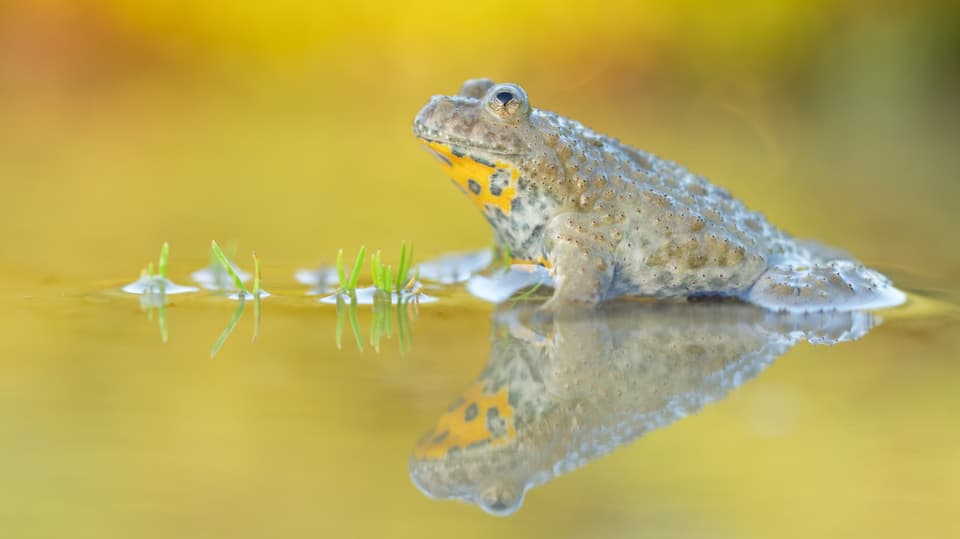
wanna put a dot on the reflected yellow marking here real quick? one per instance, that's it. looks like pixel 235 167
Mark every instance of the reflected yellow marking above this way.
pixel 454 431
pixel 463 169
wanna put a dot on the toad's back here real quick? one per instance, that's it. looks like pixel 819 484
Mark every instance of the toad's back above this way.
pixel 612 220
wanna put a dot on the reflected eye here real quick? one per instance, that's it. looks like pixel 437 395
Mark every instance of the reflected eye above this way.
pixel 507 102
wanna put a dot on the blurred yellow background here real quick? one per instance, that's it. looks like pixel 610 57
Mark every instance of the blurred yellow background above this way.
pixel 286 125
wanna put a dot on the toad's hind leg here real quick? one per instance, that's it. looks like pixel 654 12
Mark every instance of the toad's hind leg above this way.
pixel 836 285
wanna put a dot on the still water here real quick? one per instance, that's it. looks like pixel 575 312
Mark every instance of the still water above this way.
pixel 672 420
pixel 662 419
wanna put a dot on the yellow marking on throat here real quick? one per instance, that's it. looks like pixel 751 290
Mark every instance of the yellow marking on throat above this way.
pixel 455 431
pixel 464 169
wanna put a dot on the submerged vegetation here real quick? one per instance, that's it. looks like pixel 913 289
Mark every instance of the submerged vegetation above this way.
pixel 394 295
pixel 387 285
pixel 242 295
pixel 156 298
pixel 383 277
pixel 153 287
pixel 349 286
pixel 225 264
pixel 384 313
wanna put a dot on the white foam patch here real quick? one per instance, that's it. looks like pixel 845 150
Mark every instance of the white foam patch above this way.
pixel 365 296
pixel 455 267
pixel 322 280
pixel 157 285
pixel 503 284
pixel 248 295
pixel 216 278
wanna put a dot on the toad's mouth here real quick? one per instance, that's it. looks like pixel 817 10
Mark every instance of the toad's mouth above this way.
pixel 491 185
pixel 462 146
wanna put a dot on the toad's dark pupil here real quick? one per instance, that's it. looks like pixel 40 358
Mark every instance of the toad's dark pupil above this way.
pixel 504 97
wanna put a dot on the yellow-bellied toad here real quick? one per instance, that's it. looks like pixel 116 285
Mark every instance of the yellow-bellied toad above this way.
pixel 612 220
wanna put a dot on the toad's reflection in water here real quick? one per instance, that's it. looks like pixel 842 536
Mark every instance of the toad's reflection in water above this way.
pixel 558 394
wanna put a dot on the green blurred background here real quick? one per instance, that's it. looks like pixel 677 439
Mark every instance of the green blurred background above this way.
pixel 286 125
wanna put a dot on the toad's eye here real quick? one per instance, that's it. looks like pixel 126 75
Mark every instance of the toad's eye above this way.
pixel 507 102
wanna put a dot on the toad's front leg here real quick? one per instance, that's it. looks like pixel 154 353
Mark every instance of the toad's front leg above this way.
pixel 582 261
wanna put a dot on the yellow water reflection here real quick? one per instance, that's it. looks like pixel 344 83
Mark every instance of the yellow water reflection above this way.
pixel 558 394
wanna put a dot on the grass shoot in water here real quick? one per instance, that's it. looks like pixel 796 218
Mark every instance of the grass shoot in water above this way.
pixel 154 296
pixel 381 322
pixel 384 277
pixel 350 285
pixel 222 258
pixel 241 296
pixel 162 263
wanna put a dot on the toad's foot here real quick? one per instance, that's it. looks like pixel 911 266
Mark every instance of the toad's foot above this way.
pixel 837 285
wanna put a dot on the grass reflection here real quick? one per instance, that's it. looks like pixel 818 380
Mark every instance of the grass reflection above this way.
pixel 156 300
pixel 389 317
pixel 237 313
pixel 242 295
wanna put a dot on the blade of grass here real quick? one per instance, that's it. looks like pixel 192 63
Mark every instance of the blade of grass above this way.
pixel 377 269
pixel 403 257
pixel 222 258
pixel 355 275
pixel 164 254
pixel 406 260
pixel 229 329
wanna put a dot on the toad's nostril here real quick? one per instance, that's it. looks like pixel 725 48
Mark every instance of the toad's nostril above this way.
pixel 504 97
